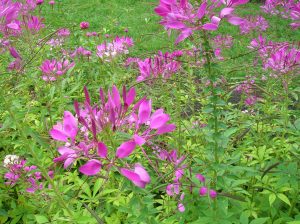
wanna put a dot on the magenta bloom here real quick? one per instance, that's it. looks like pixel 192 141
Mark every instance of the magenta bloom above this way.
pixel 203 191
pixel 108 51
pixel 18 173
pixel 63 32
pixel 52 2
pixel 34 24
pixel 164 65
pixel 39 2
pixel 81 51
pixel 139 176
pixel 115 112
pixel 186 18
pixel 200 177
pixel 212 194
pixel 181 207
pixel 84 25
pixel 66 130
pixel 52 69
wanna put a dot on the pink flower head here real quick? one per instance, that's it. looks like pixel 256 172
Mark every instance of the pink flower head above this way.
pixel 173 189
pixel 108 51
pixel 52 2
pixel 63 32
pixel 139 176
pixel 66 130
pixel 34 24
pixel 52 69
pixel 39 2
pixel 25 176
pixel 212 194
pixel 84 25
pixel 203 191
pixel 186 18
pixel 181 207
pixel 164 65
pixel 200 177
pixel 81 52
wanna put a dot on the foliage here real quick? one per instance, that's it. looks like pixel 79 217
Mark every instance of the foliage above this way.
pixel 149 112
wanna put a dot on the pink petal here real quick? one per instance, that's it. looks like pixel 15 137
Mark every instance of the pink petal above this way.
pixel 91 168
pixel 130 96
pixel 181 207
pixel 125 149
pixel 226 11
pixel 68 162
pixel 162 11
pixel 144 176
pixel 70 124
pixel 116 96
pixel 210 26
pixel 215 20
pixel 174 25
pixel 144 111
pixel 139 140
pixel 58 135
pixel 200 177
pixel 235 20
pixel 130 174
pixel 159 121
pixel 165 129
pixel 102 150
pixel 185 33
pixel 201 10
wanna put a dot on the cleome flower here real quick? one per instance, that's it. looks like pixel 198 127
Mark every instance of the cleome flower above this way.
pixel 107 51
pixel 82 134
pixel 187 18
pixel 52 69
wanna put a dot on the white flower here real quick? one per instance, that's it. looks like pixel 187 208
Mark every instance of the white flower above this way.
pixel 10 159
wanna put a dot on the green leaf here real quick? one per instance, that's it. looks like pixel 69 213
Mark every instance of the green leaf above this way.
pixel 41 219
pixel 294 222
pixel 244 218
pixel 259 220
pixel 284 198
pixel 86 189
pixel 272 198
pixel 230 131
pixel 97 186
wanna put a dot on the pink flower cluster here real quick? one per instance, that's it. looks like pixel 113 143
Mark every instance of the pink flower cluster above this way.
pixel 52 69
pixel 253 23
pixel 280 57
pixel 107 51
pixel 162 64
pixel 19 172
pixel 15 17
pixel 81 51
pixel 84 25
pixel 17 63
pixel 222 41
pixel 113 114
pixel 285 8
pixel 247 88
pixel 186 18
pixel 176 188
